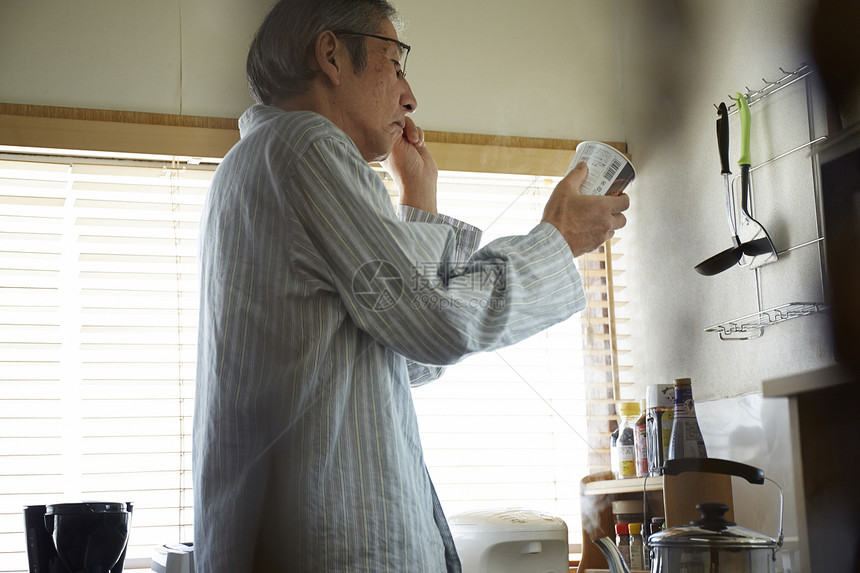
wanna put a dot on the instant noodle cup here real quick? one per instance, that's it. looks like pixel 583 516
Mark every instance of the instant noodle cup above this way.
pixel 609 171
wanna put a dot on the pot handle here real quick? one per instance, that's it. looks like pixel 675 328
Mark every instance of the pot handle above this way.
pixel 731 468
pixel 713 465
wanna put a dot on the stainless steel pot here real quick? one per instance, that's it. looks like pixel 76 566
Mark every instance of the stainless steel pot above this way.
pixel 710 544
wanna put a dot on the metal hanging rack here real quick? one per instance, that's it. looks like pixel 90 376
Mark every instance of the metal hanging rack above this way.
pixel 752 325
pixel 770 88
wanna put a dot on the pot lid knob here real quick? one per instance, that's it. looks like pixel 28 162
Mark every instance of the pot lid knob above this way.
pixel 713 517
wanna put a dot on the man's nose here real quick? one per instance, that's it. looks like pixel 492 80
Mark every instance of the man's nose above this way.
pixel 407 100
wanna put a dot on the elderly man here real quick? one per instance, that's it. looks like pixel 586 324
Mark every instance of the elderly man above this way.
pixel 321 305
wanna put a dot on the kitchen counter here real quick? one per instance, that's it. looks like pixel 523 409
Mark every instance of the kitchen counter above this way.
pixel 812 381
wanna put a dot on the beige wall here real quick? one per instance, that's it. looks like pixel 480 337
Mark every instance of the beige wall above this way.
pixel 491 66
pixel 680 57
pixel 162 56
pixel 545 68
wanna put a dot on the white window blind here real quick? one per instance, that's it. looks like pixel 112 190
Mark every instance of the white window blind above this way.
pixel 98 315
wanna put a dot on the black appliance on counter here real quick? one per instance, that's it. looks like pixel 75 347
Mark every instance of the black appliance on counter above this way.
pixel 89 537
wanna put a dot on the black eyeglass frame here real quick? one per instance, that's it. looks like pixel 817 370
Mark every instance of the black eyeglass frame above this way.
pixel 404 47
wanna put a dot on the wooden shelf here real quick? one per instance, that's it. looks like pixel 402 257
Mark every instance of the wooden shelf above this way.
pixel 618 486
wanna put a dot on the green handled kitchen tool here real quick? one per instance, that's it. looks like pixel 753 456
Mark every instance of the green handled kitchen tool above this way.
pixel 757 247
pixel 730 257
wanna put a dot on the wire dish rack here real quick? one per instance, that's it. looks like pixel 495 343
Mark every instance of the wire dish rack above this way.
pixel 752 325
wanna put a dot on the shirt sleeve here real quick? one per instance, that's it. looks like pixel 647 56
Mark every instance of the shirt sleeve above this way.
pixel 468 238
pixel 402 283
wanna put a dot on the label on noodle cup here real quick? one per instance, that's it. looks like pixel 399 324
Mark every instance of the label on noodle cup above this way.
pixel 609 172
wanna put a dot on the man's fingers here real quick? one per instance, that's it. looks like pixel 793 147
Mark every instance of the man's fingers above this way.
pixel 577 175
pixel 414 134
pixel 622 204
pixel 585 221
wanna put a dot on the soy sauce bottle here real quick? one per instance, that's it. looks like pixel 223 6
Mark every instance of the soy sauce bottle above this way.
pixel 687 441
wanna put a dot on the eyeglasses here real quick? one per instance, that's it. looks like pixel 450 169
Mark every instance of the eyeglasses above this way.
pixel 404 48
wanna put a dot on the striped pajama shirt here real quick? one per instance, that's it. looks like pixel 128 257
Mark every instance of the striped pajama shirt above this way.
pixel 321 305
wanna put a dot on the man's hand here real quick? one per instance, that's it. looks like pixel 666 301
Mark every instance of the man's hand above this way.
pixel 585 221
pixel 413 169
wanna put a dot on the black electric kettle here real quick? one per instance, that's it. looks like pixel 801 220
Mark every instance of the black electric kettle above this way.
pixel 88 537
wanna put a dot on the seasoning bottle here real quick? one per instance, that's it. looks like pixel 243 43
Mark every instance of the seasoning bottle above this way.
pixel 626 447
pixel 687 441
pixel 659 415
pixel 622 541
pixel 646 551
pixel 637 553
pixel 627 511
pixel 640 442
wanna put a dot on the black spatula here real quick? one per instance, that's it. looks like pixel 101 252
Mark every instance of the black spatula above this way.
pixel 730 257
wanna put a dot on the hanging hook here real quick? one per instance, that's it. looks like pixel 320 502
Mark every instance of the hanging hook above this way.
pixel 770 87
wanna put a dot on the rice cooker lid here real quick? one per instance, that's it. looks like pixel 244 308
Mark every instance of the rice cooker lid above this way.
pixel 507 520
pixel 712 531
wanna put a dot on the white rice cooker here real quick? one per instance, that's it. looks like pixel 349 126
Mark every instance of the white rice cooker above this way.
pixel 488 541
pixel 510 541
pixel 173 558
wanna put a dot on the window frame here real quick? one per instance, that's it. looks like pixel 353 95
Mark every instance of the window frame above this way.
pixel 106 131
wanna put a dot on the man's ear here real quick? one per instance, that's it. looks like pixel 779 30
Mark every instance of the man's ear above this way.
pixel 328 56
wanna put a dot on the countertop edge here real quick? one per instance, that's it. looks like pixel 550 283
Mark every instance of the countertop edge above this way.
pixel 810 381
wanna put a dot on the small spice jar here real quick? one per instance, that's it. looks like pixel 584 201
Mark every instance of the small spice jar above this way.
pixel 627 511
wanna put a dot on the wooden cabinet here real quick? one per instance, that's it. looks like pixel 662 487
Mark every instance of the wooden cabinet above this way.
pixel 823 424
pixel 672 497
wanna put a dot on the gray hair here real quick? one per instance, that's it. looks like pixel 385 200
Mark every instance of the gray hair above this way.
pixel 276 61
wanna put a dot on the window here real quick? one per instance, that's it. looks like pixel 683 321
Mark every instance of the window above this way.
pixel 98 302
pixel 98 315
pixel 521 426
